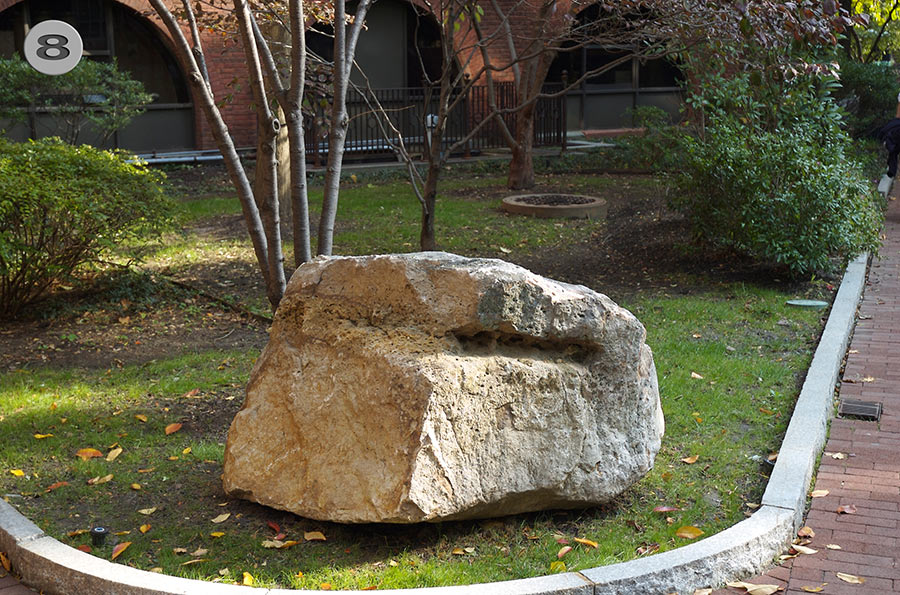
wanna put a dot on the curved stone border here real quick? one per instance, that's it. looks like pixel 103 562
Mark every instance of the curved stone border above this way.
pixel 743 550
pixel 596 209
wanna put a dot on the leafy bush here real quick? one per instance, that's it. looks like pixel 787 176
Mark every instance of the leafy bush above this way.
pixel 783 196
pixel 658 147
pixel 93 92
pixel 869 94
pixel 61 207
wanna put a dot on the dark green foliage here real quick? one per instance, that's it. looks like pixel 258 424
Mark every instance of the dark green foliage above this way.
pixel 777 183
pixel 869 94
pixel 92 93
pixel 657 148
pixel 61 207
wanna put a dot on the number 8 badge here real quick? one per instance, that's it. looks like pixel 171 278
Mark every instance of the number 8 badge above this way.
pixel 53 47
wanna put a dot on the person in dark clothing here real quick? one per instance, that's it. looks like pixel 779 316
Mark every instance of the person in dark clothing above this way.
pixel 890 136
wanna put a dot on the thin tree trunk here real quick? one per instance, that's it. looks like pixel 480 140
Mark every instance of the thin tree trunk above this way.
pixel 294 113
pixel 429 194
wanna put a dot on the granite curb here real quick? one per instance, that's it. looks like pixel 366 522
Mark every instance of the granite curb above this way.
pixel 743 550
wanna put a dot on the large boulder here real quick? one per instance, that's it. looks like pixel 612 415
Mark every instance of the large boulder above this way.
pixel 428 387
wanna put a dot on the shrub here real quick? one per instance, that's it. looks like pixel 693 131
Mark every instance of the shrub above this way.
pixel 658 147
pixel 869 94
pixel 785 196
pixel 62 206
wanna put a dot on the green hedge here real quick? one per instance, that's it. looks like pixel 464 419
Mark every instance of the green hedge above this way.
pixel 61 206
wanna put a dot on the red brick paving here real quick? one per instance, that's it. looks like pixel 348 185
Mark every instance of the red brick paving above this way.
pixel 869 475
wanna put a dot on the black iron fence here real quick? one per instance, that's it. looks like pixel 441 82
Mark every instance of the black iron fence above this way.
pixel 408 108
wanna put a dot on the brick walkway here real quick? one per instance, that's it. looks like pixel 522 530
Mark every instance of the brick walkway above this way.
pixel 863 467
pixel 10 586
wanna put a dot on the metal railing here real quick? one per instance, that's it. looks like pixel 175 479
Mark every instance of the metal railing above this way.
pixel 407 107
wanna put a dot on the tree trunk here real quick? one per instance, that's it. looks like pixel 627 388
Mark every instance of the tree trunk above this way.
pixel 283 163
pixel 521 167
pixel 429 195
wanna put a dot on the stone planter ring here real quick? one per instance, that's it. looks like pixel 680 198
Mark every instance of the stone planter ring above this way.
pixel 571 206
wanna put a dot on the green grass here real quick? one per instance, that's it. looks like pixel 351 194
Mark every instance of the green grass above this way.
pixel 748 346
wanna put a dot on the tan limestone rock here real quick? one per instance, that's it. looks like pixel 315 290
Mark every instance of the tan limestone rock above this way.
pixel 427 387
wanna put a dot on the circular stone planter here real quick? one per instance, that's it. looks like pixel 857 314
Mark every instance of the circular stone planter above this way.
pixel 572 206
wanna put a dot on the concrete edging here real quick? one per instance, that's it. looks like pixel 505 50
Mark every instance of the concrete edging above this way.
pixel 744 549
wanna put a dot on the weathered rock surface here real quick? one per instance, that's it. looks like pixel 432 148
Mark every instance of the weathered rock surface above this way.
pixel 427 387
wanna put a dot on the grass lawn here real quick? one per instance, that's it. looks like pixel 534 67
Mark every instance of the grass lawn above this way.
pixel 729 352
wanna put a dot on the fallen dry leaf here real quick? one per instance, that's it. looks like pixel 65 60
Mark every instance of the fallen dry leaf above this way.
pixel 806 532
pixel 810 589
pixel 111 455
pixel 88 453
pixel 42 436
pixel 172 428
pixel 77 532
pixel 194 561
pixel 313 536
pixel 325 586
pixel 563 551
pixel 773 456
pixel 274 526
pixel 457 551
pixel 248 579
pixel 141 417
pixel 755 589
pixel 17 472
pixel 839 456
pixel 221 518
pixel 144 528
pixel 84 548
pixel 696 376
pixel 846 509
pixel 703 592
pixel 557 566
pixel 135 486
pixel 691 459
pixel 819 493
pixel 646 548
pixel 4 561
pixel 199 553
pixel 186 451
pixel 850 578
pixel 832 546
pixel 689 532
pixel 99 480
pixel 804 550
pixel 121 547
pixel 147 511
pixel 666 509
pixel 56 486
pixel 586 542
pixel 179 550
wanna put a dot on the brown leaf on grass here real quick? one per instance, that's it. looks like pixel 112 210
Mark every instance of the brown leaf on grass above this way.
pixel 42 436
pixel 88 453
pixel 587 542
pixel 84 548
pixel 144 528
pixel 325 586
pixel 689 532
pixel 147 511
pixel 370 588
pixel 806 532
pixel 136 486
pixel 457 551
pixel 194 561
pixel 646 548
pixel 248 580
pixel 121 547
pixel 199 553
pixel 77 532
pixel 274 526
pixel 563 551
pixel 148 470
pixel 141 417
pixel 696 376
pixel 221 518
pixel 313 536
pixel 773 456
pixel 846 509
pixel 819 493
pixel 17 472
pixel 99 480
pixel 666 509
pixel 753 589
pixel 850 578
pixel 562 540
pixel 113 454
pixel 217 534
pixel 691 459
pixel 191 393
pixel 172 428
pixel 56 486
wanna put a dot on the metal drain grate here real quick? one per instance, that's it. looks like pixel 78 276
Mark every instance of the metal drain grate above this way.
pixel 868 410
